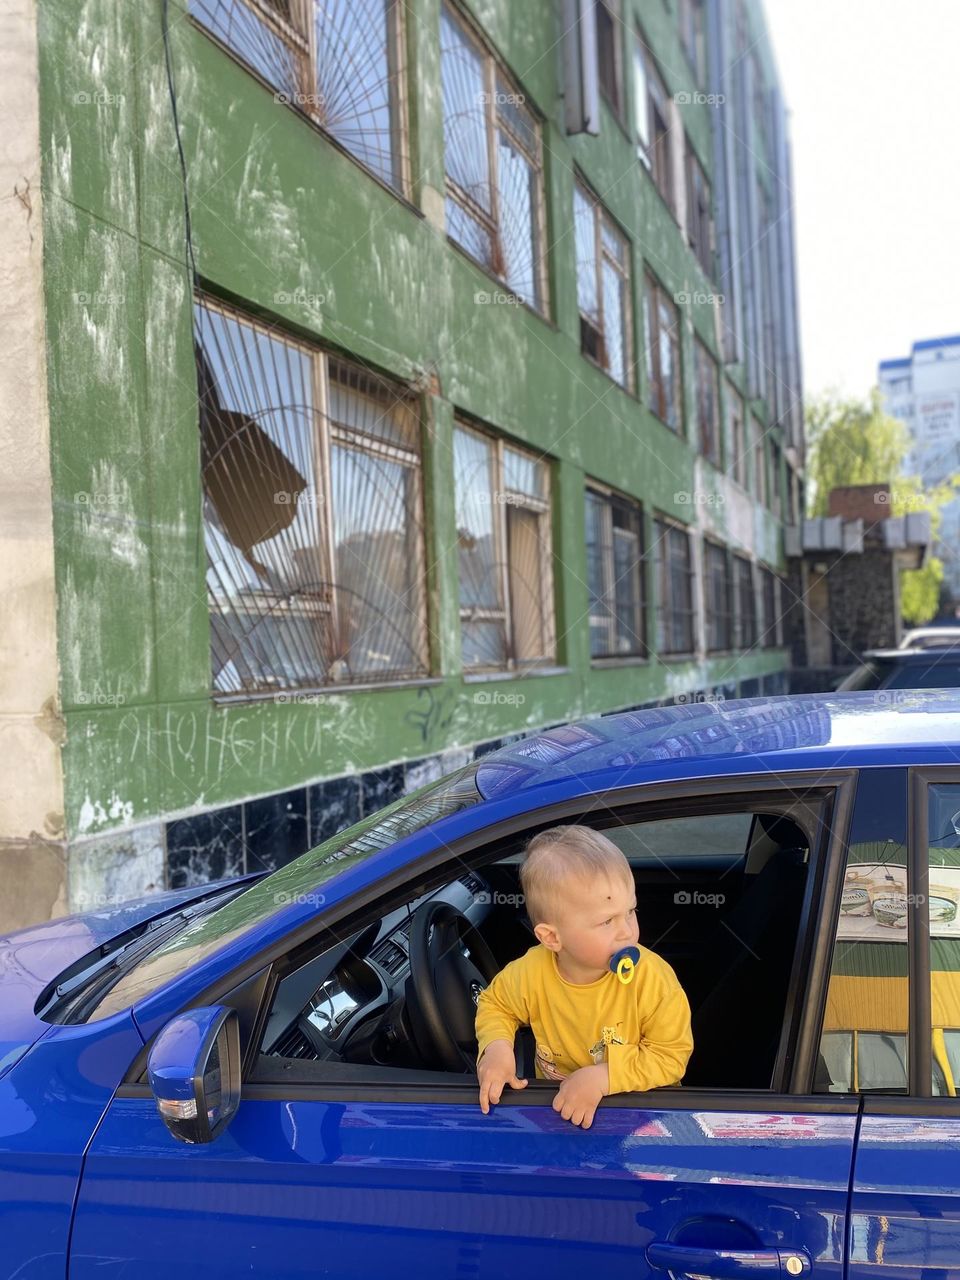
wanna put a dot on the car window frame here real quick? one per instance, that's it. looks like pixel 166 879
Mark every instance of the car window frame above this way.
pixel 260 974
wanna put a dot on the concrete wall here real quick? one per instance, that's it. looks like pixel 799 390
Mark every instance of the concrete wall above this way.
pixel 32 871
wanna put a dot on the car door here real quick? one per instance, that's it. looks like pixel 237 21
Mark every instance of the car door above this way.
pixel 905 1201
pixel 364 1170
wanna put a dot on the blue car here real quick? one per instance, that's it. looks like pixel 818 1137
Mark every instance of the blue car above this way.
pixel 274 1077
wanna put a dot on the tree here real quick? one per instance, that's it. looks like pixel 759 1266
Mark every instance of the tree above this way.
pixel 852 441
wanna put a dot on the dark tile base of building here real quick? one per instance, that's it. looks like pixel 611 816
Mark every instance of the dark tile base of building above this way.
pixel 267 833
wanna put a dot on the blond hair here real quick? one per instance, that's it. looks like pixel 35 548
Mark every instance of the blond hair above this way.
pixel 555 857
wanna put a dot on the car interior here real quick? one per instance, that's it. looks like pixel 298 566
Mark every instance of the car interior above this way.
pixel 720 896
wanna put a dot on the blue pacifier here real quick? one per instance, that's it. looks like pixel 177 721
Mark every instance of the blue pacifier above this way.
pixel 623 963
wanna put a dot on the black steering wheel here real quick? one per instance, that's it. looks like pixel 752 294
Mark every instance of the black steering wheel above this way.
pixel 450 964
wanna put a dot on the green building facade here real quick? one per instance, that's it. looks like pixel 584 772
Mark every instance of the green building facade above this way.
pixel 413 377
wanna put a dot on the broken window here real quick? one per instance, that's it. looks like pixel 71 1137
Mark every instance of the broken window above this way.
pixel 312 513
pixel 615 575
pixel 652 121
pixel 699 212
pixel 708 403
pixel 662 326
pixel 718 596
pixel 673 561
pixel 603 288
pixel 503 536
pixel 493 163
pixel 746 603
pixel 340 62
pixel 609 53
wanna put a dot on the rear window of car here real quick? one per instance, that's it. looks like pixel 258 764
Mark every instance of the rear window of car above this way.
pixel 939 674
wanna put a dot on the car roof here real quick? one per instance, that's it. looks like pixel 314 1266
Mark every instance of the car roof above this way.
pixel 761 731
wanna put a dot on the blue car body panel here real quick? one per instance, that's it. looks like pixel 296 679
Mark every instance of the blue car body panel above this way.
pixel 297 1189
pixel 297 1186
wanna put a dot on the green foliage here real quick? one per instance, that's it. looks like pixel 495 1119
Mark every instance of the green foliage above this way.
pixel 852 441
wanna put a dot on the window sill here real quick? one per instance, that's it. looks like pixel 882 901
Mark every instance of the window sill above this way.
pixel 317 692
pixel 485 677
pixel 631 660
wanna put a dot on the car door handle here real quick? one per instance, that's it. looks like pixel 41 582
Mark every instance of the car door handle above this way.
pixel 728 1264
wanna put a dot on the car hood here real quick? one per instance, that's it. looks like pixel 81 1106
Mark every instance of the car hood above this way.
pixel 31 958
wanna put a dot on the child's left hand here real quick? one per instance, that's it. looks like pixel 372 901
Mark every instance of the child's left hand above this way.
pixel 580 1093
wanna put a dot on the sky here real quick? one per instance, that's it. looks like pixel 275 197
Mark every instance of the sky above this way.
pixel 873 91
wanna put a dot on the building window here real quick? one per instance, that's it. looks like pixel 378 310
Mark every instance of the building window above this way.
pixel 609 53
pixel 746 603
pixel 312 513
pixel 776 503
pixel 652 121
pixel 759 463
pixel 503 535
pixel 771 612
pixel 737 437
pixel 340 62
pixel 691 35
pixel 493 162
pixel 603 288
pixel 708 403
pixel 615 575
pixel 718 597
pixel 673 561
pixel 699 212
pixel 661 322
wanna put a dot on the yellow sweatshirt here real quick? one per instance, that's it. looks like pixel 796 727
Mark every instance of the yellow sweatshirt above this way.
pixel 640 1029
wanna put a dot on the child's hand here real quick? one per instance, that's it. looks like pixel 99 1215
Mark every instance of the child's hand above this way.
pixel 579 1095
pixel 496 1068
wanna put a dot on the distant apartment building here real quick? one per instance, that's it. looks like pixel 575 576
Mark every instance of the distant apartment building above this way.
pixel 385 381
pixel 923 390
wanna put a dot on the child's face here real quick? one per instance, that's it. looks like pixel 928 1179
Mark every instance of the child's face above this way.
pixel 597 917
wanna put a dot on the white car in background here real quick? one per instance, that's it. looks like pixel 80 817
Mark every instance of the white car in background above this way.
pixel 931 638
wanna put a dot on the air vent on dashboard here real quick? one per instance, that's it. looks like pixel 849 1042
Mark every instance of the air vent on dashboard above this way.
pixel 472 882
pixel 389 956
pixel 293 1044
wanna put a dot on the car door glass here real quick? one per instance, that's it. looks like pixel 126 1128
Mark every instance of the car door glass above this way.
pixel 863 1044
pixel 943 838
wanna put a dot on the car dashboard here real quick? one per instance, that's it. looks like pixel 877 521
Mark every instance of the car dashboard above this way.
pixel 346 1004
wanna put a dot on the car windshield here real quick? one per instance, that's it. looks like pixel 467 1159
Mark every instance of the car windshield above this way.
pixel 300 880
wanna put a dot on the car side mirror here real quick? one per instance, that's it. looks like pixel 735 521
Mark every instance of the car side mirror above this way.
pixel 194 1072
